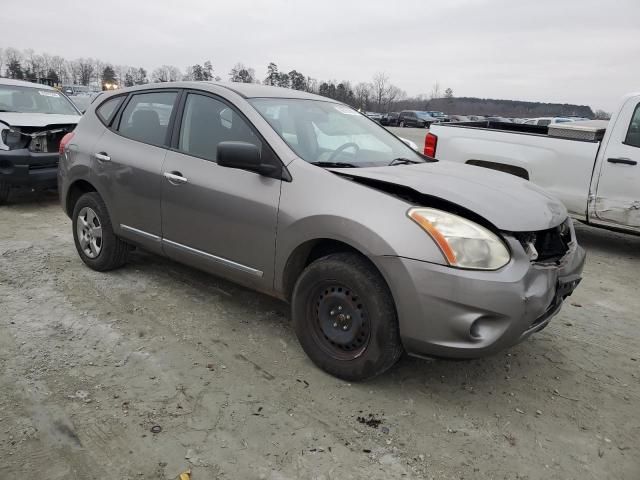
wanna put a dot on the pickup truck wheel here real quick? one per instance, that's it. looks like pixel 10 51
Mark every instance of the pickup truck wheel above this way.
pixel 5 188
pixel 98 246
pixel 345 318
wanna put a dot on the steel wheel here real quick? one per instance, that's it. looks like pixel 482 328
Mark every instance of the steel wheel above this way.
pixel 341 325
pixel 89 230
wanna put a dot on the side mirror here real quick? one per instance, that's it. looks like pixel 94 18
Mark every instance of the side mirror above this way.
pixel 244 156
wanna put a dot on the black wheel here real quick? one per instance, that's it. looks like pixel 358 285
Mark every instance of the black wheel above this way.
pixel 5 188
pixel 345 318
pixel 97 245
pixel 401 124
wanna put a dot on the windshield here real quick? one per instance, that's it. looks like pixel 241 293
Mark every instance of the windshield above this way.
pixel 424 115
pixel 15 98
pixel 330 132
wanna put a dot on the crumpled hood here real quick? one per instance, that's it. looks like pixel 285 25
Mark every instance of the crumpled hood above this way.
pixel 17 119
pixel 508 202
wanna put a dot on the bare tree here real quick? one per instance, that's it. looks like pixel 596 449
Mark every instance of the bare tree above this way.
pixel 166 73
pixel 602 115
pixel 363 92
pixel 435 91
pixel 83 69
pixel 380 86
pixel 448 93
pixel 394 94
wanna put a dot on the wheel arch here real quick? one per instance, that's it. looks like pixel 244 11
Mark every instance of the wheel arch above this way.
pixel 311 250
pixel 74 192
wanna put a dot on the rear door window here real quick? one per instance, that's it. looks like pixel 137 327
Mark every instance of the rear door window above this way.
pixel 146 117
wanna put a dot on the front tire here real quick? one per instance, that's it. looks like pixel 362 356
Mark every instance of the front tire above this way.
pixel 401 124
pixel 5 188
pixel 345 318
pixel 96 243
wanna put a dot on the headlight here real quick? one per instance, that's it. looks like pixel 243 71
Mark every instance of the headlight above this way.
pixel 463 243
pixel 4 131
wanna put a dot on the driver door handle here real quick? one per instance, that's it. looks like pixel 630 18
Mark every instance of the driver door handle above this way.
pixel 102 156
pixel 175 178
pixel 624 161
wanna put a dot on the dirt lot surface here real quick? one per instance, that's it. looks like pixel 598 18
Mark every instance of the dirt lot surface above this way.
pixel 146 371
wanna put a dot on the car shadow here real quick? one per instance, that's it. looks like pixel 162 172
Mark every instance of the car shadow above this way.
pixel 26 197
pixel 607 242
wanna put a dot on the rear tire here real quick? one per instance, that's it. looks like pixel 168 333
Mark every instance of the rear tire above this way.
pixel 345 318
pixel 98 246
pixel 5 189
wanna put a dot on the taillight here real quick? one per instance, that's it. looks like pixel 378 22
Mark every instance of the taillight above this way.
pixel 430 144
pixel 63 143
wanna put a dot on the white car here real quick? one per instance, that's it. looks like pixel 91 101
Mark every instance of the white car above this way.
pixel 33 120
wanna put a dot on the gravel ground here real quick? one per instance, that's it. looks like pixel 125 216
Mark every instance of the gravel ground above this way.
pixel 146 371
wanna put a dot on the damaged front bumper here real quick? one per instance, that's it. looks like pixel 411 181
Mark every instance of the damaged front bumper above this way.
pixel 449 312
pixel 29 155
pixel 23 168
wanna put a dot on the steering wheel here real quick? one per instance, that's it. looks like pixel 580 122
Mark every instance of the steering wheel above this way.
pixel 341 148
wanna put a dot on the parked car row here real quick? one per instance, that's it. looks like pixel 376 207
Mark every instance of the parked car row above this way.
pixel 409 118
pixel 422 119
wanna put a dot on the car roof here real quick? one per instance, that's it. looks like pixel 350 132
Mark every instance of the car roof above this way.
pixel 246 90
pixel 23 83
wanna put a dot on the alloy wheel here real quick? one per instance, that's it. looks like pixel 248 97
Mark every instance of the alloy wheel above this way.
pixel 89 230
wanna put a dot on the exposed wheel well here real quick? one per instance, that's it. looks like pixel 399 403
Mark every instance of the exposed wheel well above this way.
pixel 76 190
pixel 517 171
pixel 307 253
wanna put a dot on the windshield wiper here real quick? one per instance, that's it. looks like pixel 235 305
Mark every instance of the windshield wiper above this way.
pixel 334 164
pixel 402 161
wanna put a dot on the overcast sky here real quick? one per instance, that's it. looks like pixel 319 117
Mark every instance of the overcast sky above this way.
pixel 575 51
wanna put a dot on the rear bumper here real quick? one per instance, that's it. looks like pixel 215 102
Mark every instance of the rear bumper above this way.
pixel 27 169
pixel 448 312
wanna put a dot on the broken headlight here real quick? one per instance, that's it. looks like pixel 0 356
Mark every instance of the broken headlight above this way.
pixel 11 138
pixel 463 243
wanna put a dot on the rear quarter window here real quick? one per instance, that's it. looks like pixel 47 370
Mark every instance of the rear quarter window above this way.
pixel 107 109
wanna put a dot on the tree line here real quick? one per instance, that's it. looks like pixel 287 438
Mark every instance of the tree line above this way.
pixel 379 94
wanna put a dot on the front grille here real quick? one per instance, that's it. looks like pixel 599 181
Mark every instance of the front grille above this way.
pixel 547 246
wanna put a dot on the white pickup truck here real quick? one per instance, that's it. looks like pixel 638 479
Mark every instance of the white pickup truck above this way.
pixel 592 167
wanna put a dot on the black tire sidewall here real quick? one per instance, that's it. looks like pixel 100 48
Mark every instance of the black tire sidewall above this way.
pixel 5 189
pixel 384 347
pixel 109 256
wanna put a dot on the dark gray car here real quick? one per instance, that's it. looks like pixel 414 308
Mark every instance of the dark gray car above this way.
pixel 379 249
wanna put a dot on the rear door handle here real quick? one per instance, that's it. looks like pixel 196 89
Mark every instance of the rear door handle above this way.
pixel 103 157
pixel 175 178
pixel 624 161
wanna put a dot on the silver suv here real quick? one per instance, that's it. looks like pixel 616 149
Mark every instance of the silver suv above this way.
pixel 378 248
